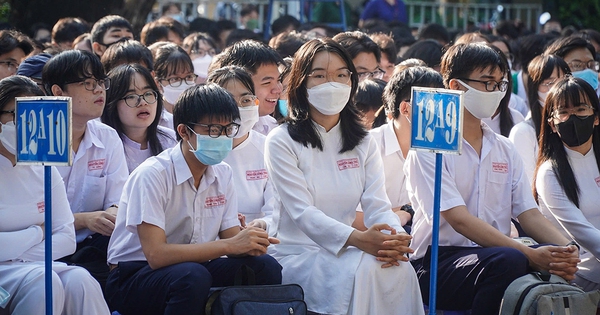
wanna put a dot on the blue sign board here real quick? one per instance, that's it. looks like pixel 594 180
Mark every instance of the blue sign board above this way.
pixel 43 130
pixel 436 120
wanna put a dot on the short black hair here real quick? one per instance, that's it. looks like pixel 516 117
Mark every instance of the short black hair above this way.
pixel 531 46
pixel 238 35
pixel 11 40
pixel 434 31
pixel 287 43
pixel 369 95
pixel 204 100
pixel 249 54
pixel 124 52
pixel 222 75
pixel 282 23
pixel 67 29
pixel 562 46
pixel 399 87
pixel 71 66
pixel 460 60
pixel 428 50
pixel 17 85
pixel 386 45
pixel 357 42
pixel 169 58
pixel 104 24
pixel 192 41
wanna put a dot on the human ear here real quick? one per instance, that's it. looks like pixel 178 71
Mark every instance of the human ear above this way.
pixel 183 132
pixel 56 90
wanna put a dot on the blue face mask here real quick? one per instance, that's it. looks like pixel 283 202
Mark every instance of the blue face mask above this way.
pixel 211 151
pixel 282 106
pixel 590 76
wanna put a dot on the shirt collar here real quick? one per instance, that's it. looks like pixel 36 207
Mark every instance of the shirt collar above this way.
pixel 389 139
pixel 182 170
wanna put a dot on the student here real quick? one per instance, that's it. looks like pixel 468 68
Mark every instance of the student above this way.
pixel 388 53
pixel 22 228
pixel 14 47
pixel 580 55
pixel 109 30
pixel 94 181
pixel 261 61
pixel 164 254
pixel 127 52
pixel 482 189
pixel 323 165
pixel 544 71
pixel 201 48
pixel 566 183
pixel 254 190
pixel 133 108
pixel 66 30
pixel 365 54
pixel 164 29
pixel 368 100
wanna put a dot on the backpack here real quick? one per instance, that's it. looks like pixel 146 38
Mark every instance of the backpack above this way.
pixel 285 299
pixel 543 293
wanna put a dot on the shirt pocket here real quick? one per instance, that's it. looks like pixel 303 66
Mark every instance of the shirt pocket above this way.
pixel 498 196
pixel 94 189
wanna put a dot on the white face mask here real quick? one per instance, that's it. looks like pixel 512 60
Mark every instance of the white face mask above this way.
pixel 542 97
pixel 329 98
pixel 171 94
pixel 248 118
pixel 8 137
pixel 481 104
pixel 201 65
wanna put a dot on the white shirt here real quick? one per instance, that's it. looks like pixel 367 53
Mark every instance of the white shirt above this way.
pixel 518 104
pixel 255 193
pixel 166 119
pixel 22 209
pixel 580 223
pixel 265 124
pixel 494 123
pixel 393 164
pixel 522 135
pixel 134 155
pixel 319 192
pixel 161 192
pixel 95 180
pixel 521 92
pixel 493 187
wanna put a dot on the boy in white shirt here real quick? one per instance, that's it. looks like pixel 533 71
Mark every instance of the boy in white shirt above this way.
pixel 482 189
pixel 163 254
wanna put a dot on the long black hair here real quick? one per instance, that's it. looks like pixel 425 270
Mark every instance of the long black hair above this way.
pixel 301 127
pixel 569 92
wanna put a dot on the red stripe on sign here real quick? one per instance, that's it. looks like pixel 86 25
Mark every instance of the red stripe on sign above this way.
pixel 347 164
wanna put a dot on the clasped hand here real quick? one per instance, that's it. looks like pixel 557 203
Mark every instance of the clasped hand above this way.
pixel 387 248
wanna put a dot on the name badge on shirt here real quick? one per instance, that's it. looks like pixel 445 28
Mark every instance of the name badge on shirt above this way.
pixel 347 164
pixel 41 206
pixel 215 201
pixel 96 164
pixel 256 174
pixel 598 181
pixel 498 167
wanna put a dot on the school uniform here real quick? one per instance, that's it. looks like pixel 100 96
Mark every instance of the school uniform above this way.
pixel 319 192
pixel 494 123
pixel 494 189
pixel 255 193
pixel 522 135
pixel 22 209
pixel 579 223
pixel 166 119
pixel 161 192
pixel 519 104
pixel 265 124
pixel 134 155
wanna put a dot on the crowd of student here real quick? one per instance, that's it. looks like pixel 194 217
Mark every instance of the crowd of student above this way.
pixel 197 154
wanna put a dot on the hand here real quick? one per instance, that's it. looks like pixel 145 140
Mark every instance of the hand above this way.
pixel 112 210
pixel 251 241
pixel 258 223
pixel 388 248
pixel 242 219
pixel 404 216
pixel 102 222
pixel 558 260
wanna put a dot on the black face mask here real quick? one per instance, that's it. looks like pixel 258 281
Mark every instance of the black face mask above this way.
pixel 575 131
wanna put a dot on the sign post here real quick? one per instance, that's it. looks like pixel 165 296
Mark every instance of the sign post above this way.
pixel 44 138
pixel 436 127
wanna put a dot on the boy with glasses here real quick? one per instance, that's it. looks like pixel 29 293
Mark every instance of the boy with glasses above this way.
pixel 482 189
pixel 95 180
pixel 579 54
pixel 14 47
pixel 364 52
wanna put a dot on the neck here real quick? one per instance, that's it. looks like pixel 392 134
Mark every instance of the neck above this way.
pixel 403 134
pixel 138 135
pixel 584 148
pixel 79 128
pixel 168 106
pixel 198 169
pixel 238 141
pixel 472 131
pixel 326 121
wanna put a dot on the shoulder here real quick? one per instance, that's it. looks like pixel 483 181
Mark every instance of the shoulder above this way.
pixel 101 130
pixel 279 133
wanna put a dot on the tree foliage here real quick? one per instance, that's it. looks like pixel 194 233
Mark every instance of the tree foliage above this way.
pixel 580 13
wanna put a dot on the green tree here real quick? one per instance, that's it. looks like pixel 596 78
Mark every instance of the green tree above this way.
pixel 579 13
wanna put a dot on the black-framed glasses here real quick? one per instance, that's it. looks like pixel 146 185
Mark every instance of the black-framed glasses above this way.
pixel 12 112
pixel 91 84
pixel 10 65
pixel 190 79
pixel 216 130
pixel 490 85
pixel 581 110
pixel 134 100
pixel 377 74
pixel 580 65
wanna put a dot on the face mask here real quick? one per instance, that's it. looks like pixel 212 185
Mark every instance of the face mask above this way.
pixel 576 131
pixel 248 118
pixel 8 137
pixel 481 104
pixel 542 97
pixel 329 98
pixel 171 94
pixel 282 106
pixel 201 65
pixel 590 76
pixel 211 151
pixel 252 24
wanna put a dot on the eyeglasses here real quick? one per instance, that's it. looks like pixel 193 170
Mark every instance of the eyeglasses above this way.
pixel 247 100
pixel 134 100
pixel 190 79
pixel 377 74
pixel 548 84
pixel 490 85
pixel 581 110
pixel 10 65
pixel 91 84
pixel 12 112
pixel 579 65
pixel 202 52
pixel 215 130
pixel 340 76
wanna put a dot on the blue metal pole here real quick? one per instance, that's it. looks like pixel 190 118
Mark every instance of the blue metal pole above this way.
pixel 435 233
pixel 48 236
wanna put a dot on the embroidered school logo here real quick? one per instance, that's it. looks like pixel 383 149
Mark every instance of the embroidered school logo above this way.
pixel 41 206
pixel 256 174
pixel 215 201
pixel 598 181
pixel 498 167
pixel 96 164
pixel 347 163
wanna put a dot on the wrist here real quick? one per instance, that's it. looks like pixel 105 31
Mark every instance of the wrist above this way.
pixel 576 245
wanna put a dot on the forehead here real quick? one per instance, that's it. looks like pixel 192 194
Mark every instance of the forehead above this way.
pixel 236 87
pixel 365 61
pixel 327 60
pixel 266 71
pixel 16 54
pixel 489 73
pixel 579 54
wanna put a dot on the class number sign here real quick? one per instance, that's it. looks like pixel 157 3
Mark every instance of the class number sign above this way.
pixel 436 120
pixel 43 126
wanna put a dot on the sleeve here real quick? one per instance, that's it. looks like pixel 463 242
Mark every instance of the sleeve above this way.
pixel 144 198
pixel 553 197
pixel 282 164
pixel 420 175
pixel 117 171
pixel 370 11
pixel 270 202
pixel 63 230
pixel 374 201
pixel 20 241
pixel 525 142
pixel 522 197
